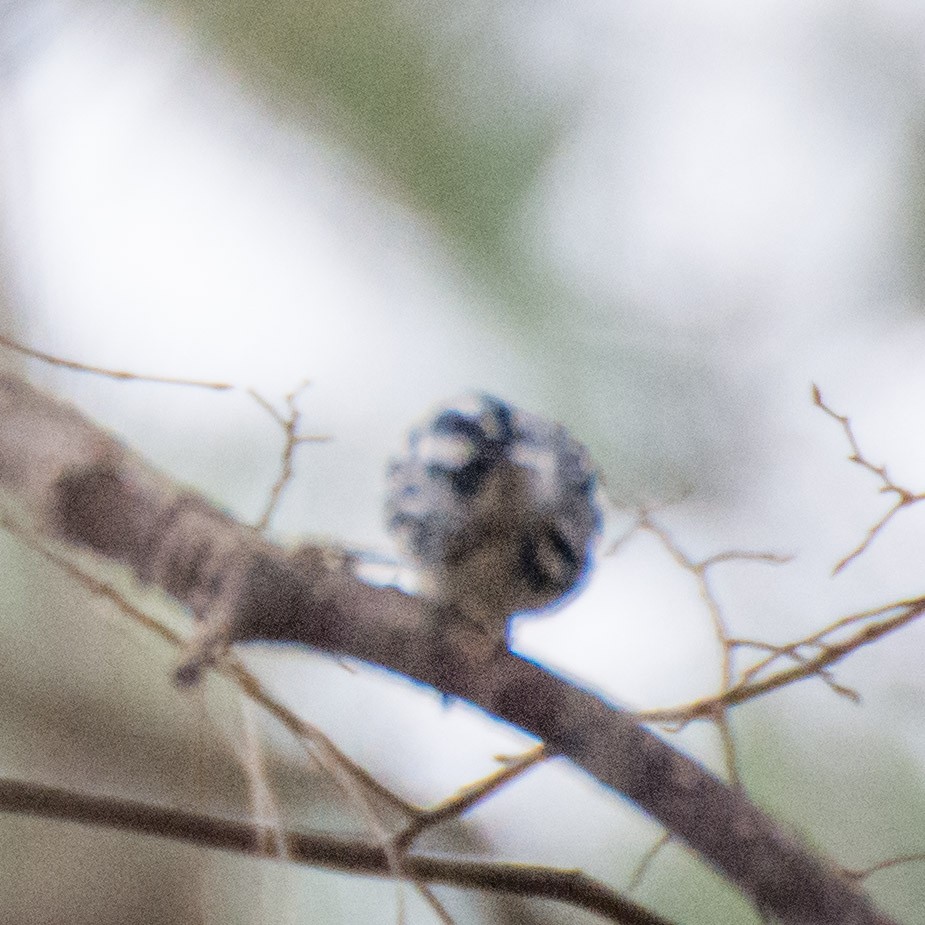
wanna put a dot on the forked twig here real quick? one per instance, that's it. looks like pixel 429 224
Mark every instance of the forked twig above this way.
pixel 791 651
pixel 700 570
pixel 830 654
pixel 290 424
pixel 904 497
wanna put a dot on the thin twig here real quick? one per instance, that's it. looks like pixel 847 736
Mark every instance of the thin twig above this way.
pixel 290 424
pixel 916 858
pixel 357 797
pixel 707 708
pixel 264 805
pixel 309 733
pixel 904 496
pixel 646 861
pixel 468 796
pixel 120 374
pixel 791 651
pixel 738 690
pixel 820 640
pixel 700 570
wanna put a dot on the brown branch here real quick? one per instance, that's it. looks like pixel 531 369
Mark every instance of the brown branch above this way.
pixel 356 782
pixel 700 571
pixel 79 486
pixel 810 668
pixel 904 497
pixel 119 374
pixel 290 424
pixel 325 750
pixel 646 862
pixel 468 796
pixel 230 667
pixel 791 651
pixel 321 850
pixel 915 858
pixel 821 641
pixel 745 687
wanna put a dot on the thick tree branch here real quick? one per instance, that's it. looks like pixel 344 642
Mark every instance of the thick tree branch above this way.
pixel 81 486
pixel 322 850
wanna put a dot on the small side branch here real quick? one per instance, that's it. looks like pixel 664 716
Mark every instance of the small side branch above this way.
pixel 901 860
pixel 468 796
pixel 700 570
pixel 118 374
pixel 806 668
pixel 290 423
pixel 904 497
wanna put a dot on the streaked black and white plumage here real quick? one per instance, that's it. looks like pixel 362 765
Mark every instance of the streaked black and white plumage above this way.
pixel 497 507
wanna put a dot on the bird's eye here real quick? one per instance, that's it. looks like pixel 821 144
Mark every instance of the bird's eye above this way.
pixel 548 561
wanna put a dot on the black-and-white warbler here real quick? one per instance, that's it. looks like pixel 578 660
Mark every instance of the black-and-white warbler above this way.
pixel 497 507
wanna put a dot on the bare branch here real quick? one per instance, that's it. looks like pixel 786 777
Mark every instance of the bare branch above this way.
pixel 744 555
pixel 354 781
pixel 736 690
pixel 811 667
pixel 791 650
pixel 118 374
pixel 915 858
pixel 469 796
pixel 646 861
pixel 322 850
pixel 904 497
pixel 79 486
pixel 700 571
pixel 872 534
pixel 290 424
pixel 230 667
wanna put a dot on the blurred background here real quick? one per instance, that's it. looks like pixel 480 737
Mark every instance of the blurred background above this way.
pixel 658 225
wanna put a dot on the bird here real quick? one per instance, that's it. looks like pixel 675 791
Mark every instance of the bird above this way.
pixel 497 508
